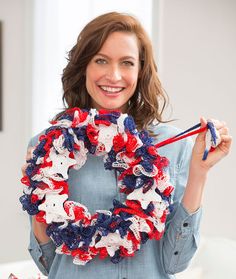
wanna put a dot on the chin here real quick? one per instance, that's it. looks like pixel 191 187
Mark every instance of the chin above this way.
pixel 112 107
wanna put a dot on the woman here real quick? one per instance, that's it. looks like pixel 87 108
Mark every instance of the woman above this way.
pixel 112 67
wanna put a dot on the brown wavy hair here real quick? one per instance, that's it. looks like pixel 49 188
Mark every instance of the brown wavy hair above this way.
pixel 148 101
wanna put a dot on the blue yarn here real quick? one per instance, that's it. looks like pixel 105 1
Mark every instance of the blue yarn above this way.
pixel 130 125
pixel 142 152
pixel 110 159
pixel 80 133
pixel 171 207
pixel 92 149
pixel 87 232
pixel 70 237
pixel 144 237
pixel 31 208
pixel 144 136
pixel 149 209
pixel 39 151
pixel 210 126
pixel 130 181
pixel 54 233
pixel 125 215
pixel 124 227
pixel 66 116
pixel 29 170
pixel 104 222
pixel 117 257
pixel 68 142
pixel 117 204
pixel 205 154
pixel 109 224
pixel 111 117
pixel 148 166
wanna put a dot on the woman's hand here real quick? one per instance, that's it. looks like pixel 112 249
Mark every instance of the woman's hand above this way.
pixel 199 168
pixel 29 155
pixel 215 156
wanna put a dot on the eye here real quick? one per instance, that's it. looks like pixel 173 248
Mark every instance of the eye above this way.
pixel 128 63
pixel 100 61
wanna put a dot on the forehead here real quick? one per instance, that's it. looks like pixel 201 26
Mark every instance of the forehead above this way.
pixel 119 44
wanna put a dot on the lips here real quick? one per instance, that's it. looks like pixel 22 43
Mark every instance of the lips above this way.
pixel 111 90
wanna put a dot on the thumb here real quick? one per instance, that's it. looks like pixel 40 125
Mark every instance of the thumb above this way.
pixel 29 154
pixel 200 141
pixel 202 136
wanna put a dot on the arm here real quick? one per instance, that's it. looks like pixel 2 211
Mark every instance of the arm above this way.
pixel 41 248
pixel 42 253
pixel 182 231
pixel 39 230
pixel 181 237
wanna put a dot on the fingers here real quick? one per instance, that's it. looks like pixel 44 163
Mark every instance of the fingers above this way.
pixel 223 131
pixel 201 136
pixel 221 126
pixel 217 123
pixel 23 169
pixel 203 121
pixel 226 141
pixel 29 155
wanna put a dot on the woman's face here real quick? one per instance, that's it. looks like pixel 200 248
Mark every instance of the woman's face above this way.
pixel 112 74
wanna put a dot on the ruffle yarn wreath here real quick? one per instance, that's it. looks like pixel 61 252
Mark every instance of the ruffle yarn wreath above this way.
pixel 117 232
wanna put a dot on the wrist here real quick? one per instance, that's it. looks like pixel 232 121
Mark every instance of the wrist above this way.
pixel 194 190
pixel 198 170
pixel 198 176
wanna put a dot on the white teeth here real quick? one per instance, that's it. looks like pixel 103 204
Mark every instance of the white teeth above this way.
pixel 111 89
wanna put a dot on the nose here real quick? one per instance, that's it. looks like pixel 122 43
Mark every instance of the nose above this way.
pixel 113 74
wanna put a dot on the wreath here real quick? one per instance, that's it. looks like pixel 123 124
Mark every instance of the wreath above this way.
pixel 120 231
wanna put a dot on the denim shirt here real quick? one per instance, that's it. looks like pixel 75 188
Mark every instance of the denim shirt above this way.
pixel 96 188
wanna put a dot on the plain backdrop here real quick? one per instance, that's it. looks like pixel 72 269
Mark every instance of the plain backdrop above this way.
pixel 194 43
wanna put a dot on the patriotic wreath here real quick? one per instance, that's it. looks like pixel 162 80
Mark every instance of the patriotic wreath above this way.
pixel 117 232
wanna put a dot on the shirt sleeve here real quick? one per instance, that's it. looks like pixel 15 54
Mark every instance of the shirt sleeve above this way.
pixel 42 254
pixel 181 238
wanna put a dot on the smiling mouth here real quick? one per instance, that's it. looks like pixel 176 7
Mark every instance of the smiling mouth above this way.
pixel 111 90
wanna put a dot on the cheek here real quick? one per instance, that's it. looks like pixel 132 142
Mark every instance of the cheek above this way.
pixel 90 83
pixel 134 75
pixel 133 79
pixel 90 75
pixel 93 74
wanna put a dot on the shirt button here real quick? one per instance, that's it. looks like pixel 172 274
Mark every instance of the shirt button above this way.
pixel 176 253
pixel 185 224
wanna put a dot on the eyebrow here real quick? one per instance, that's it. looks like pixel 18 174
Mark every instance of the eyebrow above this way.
pixel 123 57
